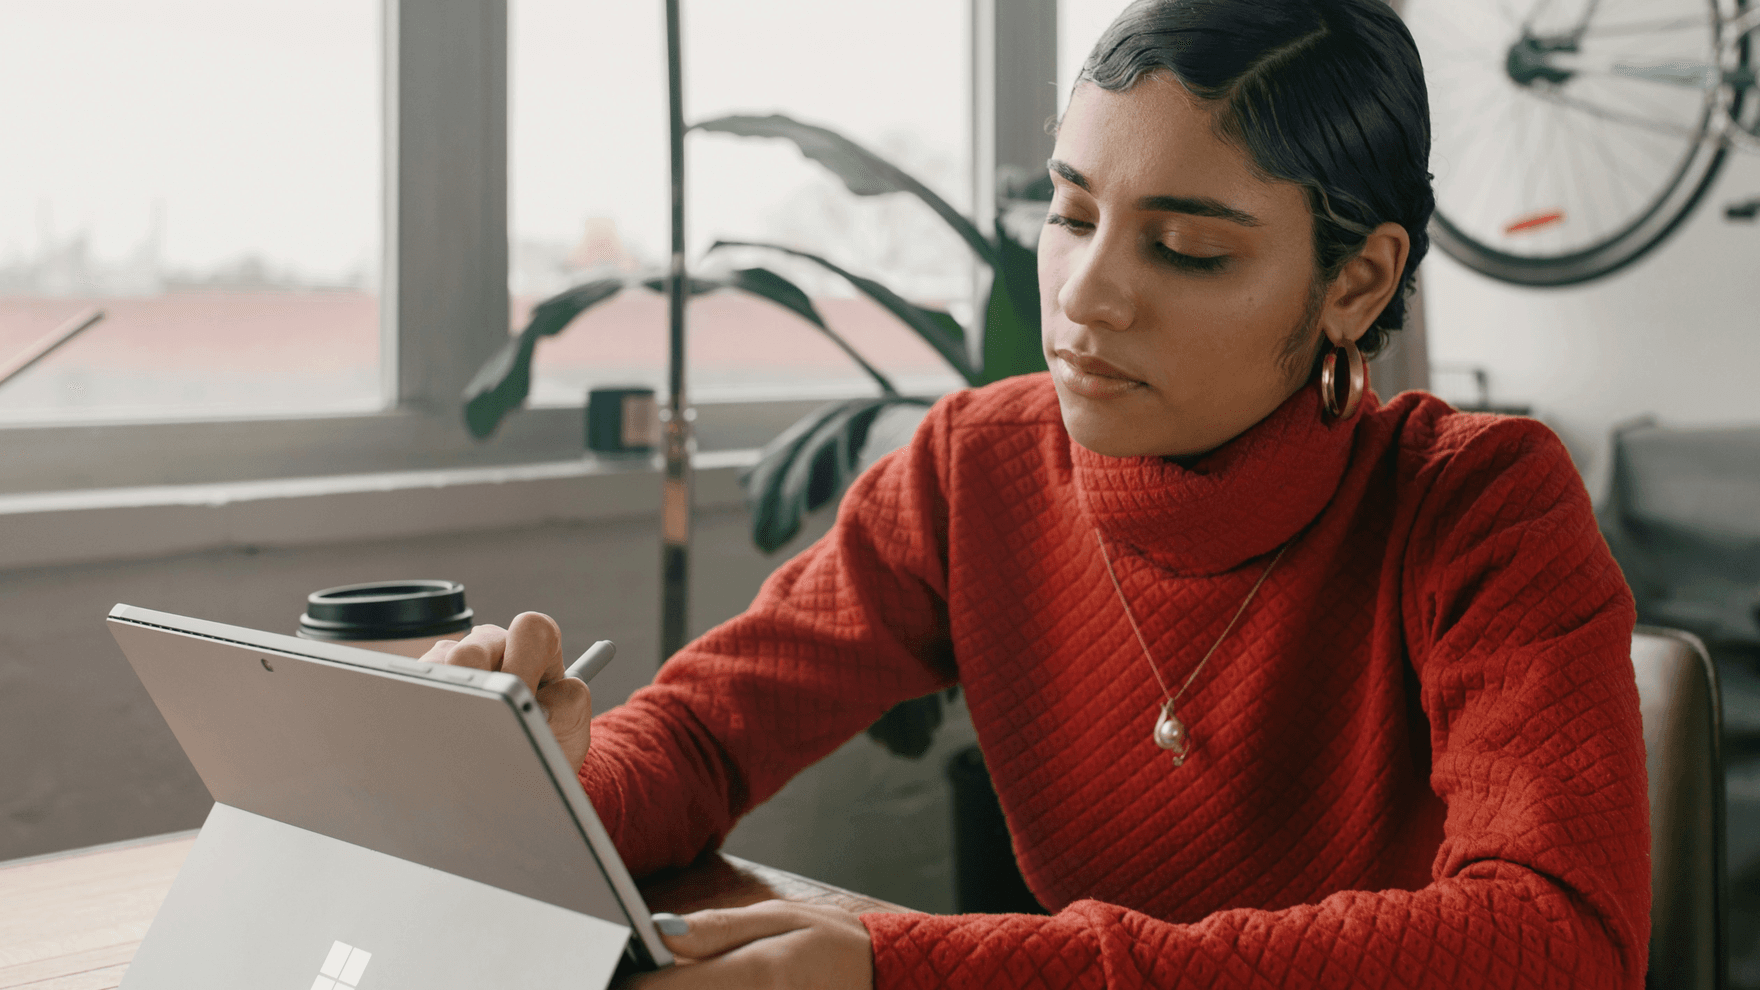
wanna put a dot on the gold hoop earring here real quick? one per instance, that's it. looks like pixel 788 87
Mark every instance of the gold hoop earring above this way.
pixel 1358 384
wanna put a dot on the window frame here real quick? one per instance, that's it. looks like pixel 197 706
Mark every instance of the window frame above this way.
pixel 443 299
pixel 444 306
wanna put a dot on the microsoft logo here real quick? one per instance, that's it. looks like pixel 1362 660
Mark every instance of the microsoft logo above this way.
pixel 342 968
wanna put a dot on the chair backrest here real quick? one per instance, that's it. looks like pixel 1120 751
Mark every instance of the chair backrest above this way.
pixel 1679 517
pixel 1677 690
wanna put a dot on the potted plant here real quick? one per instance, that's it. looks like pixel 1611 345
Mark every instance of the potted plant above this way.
pixel 809 464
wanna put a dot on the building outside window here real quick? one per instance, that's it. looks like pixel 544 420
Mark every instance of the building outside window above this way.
pixel 234 184
pixel 207 174
pixel 589 185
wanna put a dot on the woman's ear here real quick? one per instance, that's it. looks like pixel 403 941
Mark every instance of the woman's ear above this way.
pixel 1366 284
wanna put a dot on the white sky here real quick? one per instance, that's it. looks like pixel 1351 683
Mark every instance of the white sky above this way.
pixel 588 132
pixel 254 126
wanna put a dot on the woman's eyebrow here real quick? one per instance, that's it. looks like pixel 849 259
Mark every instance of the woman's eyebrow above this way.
pixel 1069 172
pixel 1197 206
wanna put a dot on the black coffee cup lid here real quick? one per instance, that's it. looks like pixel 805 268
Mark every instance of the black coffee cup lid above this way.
pixel 385 610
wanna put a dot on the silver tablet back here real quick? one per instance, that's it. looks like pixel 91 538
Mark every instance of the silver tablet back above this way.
pixel 370 801
pixel 260 903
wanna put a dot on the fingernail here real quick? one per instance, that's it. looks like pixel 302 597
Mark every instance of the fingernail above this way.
pixel 671 924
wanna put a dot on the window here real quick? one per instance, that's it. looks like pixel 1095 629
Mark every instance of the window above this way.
pixel 207 174
pixel 590 186
pixel 241 270
pixel 1079 24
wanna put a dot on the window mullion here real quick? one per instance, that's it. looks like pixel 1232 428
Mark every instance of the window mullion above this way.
pixel 1014 94
pixel 445 287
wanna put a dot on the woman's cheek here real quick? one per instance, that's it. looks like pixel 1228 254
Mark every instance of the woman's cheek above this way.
pixel 1051 277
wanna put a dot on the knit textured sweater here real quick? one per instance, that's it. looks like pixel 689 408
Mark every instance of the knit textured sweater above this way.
pixel 1417 760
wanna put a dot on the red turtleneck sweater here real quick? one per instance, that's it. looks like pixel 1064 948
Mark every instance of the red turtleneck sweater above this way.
pixel 1416 761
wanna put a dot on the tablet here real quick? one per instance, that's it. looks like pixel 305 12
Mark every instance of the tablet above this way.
pixel 379 823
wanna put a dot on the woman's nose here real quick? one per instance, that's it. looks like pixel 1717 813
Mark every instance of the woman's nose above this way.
pixel 1096 293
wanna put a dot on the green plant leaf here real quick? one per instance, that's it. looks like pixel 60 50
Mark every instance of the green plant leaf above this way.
pixel 766 284
pixel 1011 317
pixel 694 286
pixel 937 328
pixel 808 465
pixel 862 171
pixel 504 381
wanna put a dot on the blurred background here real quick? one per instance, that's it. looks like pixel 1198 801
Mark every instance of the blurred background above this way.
pixel 305 233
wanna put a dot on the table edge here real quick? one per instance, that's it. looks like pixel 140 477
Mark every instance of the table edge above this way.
pixel 103 847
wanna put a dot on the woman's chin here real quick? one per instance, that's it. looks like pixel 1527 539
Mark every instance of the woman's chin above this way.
pixel 1113 430
pixel 1103 435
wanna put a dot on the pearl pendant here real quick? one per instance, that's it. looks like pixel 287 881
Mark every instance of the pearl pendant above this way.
pixel 1170 734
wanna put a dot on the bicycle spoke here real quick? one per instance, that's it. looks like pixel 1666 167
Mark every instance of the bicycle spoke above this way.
pixel 1618 169
pixel 1490 176
pixel 1650 28
pixel 1530 199
pixel 1645 192
pixel 1534 15
pixel 1457 28
pixel 1592 203
pixel 1644 102
pixel 1613 168
pixel 1666 155
pixel 1617 117
pixel 1470 118
pixel 1558 179
pixel 1567 134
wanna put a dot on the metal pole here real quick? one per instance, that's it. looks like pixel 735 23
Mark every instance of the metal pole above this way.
pixel 675 499
pixel 1014 94
pixel 29 357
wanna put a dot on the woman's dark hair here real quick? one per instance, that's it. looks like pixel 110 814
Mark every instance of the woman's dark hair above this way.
pixel 1327 94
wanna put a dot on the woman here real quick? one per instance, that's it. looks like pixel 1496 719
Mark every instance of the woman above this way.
pixel 1278 685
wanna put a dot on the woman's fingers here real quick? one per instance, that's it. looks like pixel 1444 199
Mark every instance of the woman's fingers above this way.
pixel 751 968
pixel 439 651
pixel 482 649
pixel 775 944
pixel 568 706
pixel 529 648
pixel 533 649
pixel 716 931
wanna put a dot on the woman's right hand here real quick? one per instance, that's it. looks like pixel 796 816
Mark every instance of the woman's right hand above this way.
pixel 530 648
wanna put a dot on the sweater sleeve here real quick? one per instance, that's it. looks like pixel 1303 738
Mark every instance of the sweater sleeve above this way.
pixel 1518 623
pixel 836 636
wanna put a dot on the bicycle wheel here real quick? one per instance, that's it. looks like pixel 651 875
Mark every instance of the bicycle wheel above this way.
pixel 1570 137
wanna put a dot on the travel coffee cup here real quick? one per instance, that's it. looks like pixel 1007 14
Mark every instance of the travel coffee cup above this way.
pixel 402 617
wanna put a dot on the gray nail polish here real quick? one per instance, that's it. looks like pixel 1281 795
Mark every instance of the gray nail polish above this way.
pixel 671 924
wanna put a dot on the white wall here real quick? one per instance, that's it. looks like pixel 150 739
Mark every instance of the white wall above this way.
pixel 85 757
pixel 1674 336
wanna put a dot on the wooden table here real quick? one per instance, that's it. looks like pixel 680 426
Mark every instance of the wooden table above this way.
pixel 73 921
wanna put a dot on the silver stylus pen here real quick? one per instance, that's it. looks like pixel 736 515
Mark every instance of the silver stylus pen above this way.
pixel 597 658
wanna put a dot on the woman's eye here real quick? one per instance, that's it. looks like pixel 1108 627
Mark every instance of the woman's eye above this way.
pixel 1059 220
pixel 1191 262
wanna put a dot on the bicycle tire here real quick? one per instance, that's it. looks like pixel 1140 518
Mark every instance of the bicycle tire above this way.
pixel 1633 238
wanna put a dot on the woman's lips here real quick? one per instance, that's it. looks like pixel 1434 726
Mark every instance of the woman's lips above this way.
pixel 1090 377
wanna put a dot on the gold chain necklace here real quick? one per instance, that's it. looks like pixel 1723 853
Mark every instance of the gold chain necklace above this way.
pixel 1170 732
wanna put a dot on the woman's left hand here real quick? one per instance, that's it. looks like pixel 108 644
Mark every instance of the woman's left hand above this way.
pixel 773 944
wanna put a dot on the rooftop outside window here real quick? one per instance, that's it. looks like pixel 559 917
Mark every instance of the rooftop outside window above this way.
pixel 588 168
pixel 208 174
